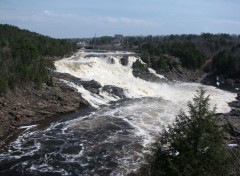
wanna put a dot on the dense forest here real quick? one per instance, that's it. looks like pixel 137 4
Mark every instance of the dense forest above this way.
pixel 220 51
pixel 23 56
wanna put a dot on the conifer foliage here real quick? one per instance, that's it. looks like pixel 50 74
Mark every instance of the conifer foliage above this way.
pixel 193 145
pixel 23 56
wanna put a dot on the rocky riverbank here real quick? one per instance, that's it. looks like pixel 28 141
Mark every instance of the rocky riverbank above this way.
pixel 27 105
pixel 231 122
pixel 174 71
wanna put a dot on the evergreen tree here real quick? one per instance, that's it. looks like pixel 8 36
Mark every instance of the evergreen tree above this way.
pixel 23 57
pixel 138 65
pixel 193 145
pixel 3 86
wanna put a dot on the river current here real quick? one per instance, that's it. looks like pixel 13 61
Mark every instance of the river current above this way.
pixel 112 137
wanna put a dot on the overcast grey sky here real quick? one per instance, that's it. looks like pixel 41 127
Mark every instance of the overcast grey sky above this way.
pixel 85 18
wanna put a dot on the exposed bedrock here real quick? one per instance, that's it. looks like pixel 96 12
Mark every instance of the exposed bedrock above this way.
pixel 124 60
pixel 113 90
pixel 147 76
pixel 93 86
pixel 231 122
pixel 28 105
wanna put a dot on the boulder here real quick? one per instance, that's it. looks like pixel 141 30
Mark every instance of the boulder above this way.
pixel 92 86
pixel 124 60
pixel 111 60
pixel 113 90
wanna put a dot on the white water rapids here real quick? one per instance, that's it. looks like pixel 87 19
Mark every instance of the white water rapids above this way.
pixel 97 66
pixel 111 139
pixel 167 99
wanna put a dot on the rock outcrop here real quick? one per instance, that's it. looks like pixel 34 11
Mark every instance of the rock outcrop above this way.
pixel 26 105
pixel 230 122
pixel 175 71
pixel 222 82
pixel 124 60
pixel 147 76
pixel 113 90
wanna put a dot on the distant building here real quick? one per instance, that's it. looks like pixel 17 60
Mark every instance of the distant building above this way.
pixel 117 41
pixel 118 36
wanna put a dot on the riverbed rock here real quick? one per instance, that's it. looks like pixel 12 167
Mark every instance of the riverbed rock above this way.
pixel 113 90
pixel 147 76
pixel 92 86
pixel 238 96
pixel 174 71
pixel 222 82
pixel 230 122
pixel 27 105
pixel 124 60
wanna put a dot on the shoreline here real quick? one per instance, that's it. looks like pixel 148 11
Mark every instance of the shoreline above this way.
pixel 230 122
pixel 29 106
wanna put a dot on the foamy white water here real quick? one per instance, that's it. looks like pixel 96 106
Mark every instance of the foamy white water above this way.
pixel 157 104
pixel 111 139
pixel 99 67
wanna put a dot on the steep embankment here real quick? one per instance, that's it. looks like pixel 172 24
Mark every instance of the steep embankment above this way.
pixel 26 105
pixel 174 71
pixel 231 122
pixel 27 93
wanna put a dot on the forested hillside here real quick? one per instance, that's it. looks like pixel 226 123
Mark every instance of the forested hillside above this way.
pixel 23 56
pixel 194 50
pixel 220 51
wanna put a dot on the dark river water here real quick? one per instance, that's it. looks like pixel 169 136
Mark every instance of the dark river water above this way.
pixel 112 139
pixel 93 142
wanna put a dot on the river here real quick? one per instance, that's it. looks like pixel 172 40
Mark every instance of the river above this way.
pixel 112 137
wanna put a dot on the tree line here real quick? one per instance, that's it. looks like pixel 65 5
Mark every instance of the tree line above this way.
pixel 23 56
pixel 193 50
pixel 228 62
